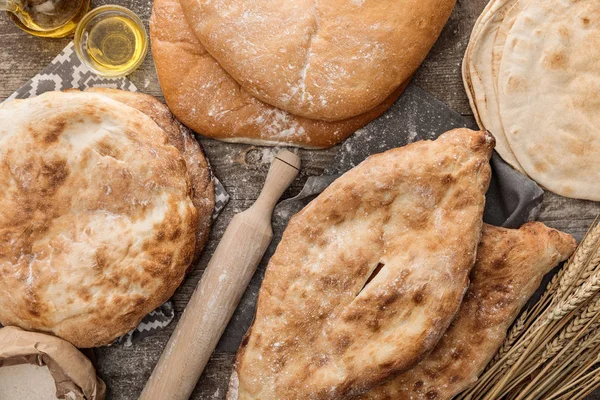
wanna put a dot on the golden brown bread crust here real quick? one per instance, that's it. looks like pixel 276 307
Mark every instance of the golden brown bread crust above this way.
pixel 509 268
pixel 323 328
pixel 183 140
pixel 319 59
pixel 97 224
pixel 209 101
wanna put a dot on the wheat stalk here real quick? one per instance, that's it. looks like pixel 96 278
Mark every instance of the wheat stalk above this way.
pixel 511 338
pixel 574 327
pixel 574 269
pixel 553 371
pixel 592 385
pixel 594 264
pixel 577 379
pixel 582 294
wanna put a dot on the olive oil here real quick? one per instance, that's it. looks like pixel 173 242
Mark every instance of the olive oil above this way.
pixel 46 18
pixel 111 41
pixel 115 44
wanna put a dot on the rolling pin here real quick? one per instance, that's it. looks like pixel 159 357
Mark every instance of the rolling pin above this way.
pixel 220 290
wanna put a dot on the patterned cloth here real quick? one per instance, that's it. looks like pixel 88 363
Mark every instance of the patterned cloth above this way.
pixel 67 72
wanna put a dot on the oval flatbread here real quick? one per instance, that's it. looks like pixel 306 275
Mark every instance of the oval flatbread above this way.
pixel 209 101
pixel 509 268
pixel 319 59
pixel 370 274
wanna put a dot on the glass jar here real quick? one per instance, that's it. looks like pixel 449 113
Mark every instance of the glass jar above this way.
pixel 46 18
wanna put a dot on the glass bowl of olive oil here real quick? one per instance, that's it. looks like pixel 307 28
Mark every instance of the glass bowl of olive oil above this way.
pixel 111 41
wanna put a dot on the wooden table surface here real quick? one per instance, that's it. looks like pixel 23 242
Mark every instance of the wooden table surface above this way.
pixel 242 169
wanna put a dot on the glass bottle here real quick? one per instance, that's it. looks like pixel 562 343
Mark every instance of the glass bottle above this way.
pixel 46 18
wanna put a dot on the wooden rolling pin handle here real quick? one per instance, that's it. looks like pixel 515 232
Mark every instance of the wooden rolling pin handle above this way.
pixel 219 292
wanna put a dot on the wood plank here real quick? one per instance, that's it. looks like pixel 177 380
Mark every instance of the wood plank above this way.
pixel 242 169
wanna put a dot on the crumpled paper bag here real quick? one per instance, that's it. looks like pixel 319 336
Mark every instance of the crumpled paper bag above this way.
pixel 72 371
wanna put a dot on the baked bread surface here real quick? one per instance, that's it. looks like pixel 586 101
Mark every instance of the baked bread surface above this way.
pixel 97 224
pixel 209 101
pixel 183 140
pixel 370 274
pixel 319 59
pixel 509 268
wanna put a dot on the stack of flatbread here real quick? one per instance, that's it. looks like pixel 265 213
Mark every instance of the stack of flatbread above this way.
pixel 301 72
pixel 106 201
pixel 532 75
pixel 388 286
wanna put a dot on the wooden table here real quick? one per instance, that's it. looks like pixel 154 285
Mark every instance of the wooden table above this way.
pixel 242 169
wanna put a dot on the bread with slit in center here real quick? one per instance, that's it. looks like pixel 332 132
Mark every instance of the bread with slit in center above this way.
pixel 369 275
pixel 208 100
pixel 509 268
pixel 320 59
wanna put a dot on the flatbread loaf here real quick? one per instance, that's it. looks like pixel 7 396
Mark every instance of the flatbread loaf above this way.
pixel 183 140
pixel 320 59
pixel 209 101
pixel 97 224
pixel 509 268
pixel 369 275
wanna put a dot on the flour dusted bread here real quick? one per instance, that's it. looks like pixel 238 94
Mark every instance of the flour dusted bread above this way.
pixel 370 274
pixel 183 140
pixel 509 268
pixel 97 224
pixel 319 59
pixel 208 100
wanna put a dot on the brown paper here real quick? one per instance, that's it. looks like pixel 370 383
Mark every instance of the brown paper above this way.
pixel 71 370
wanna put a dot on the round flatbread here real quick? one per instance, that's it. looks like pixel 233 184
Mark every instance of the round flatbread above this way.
pixel 97 224
pixel 481 90
pixel 209 101
pixel 325 59
pixel 548 82
pixel 465 66
pixel 179 136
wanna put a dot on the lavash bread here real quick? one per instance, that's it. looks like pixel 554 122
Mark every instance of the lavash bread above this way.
pixel 479 78
pixel 369 275
pixel 551 55
pixel 183 140
pixel 538 64
pixel 509 268
pixel 208 100
pixel 97 224
pixel 324 59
